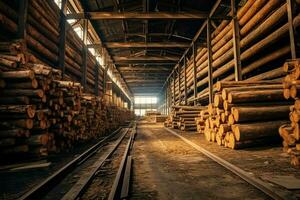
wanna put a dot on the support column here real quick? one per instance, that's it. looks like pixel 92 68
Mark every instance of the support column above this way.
pixel 210 71
pixel 97 79
pixel 62 38
pixel 236 42
pixel 195 74
pixel 174 77
pixel 290 6
pixel 84 54
pixel 179 82
pixel 22 18
pixel 185 92
pixel 166 99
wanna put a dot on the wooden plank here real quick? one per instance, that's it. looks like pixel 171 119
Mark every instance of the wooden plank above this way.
pixel 138 15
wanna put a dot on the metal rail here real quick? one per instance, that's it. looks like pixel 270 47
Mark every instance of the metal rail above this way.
pixel 80 186
pixel 257 183
pixel 116 187
pixel 41 189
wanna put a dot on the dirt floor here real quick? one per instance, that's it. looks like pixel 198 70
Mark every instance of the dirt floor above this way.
pixel 164 167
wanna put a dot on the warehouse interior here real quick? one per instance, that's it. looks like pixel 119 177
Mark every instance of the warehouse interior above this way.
pixel 149 99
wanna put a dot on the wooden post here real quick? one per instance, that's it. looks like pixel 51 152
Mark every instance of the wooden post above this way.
pixel 236 42
pixel 174 77
pixel 62 37
pixel 195 73
pixel 22 18
pixel 105 78
pixel 290 5
pixel 179 82
pixel 166 100
pixel 185 92
pixel 210 77
pixel 97 80
pixel 84 54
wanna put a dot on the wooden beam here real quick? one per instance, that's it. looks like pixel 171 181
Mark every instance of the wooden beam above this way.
pixel 62 38
pixel 22 18
pixel 153 79
pixel 141 45
pixel 145 58
pixel 96 79
pixel 174 77
pixel 195 73
pixel 209 49
pixel 84 54
pixel 290 5
pixel 185 86
pixel 145 69
pixel 236 42
pixel 138 15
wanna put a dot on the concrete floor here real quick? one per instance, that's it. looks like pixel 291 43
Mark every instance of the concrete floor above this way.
pixel 167 168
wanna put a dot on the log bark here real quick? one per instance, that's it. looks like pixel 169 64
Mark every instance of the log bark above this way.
pixel 266 113
pixel 252 131
pixel 256 96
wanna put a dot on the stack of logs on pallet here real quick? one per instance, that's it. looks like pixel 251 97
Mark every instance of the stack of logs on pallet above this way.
pixel 263 25
pixel 245 113
pixel 183 117
pixel 290 132
pixel 40 112
pixel 42 39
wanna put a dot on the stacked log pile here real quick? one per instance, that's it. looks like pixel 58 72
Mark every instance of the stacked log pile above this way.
pixel 263 25
pixel 40 112
pixel 42 39
pixel 290 132
pixel 183 117
pixel 245 113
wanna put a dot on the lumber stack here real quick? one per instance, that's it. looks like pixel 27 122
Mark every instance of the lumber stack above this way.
pixel 245 113
pixel 290 131
pixel 40 112
pixel 160 118
pixel 43 38
pixel 183 117
pixel 263 25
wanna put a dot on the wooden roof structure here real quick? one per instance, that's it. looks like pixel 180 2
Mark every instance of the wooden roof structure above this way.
pixel 146 38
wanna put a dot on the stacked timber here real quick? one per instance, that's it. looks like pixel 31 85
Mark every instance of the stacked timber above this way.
pixel 263 25
pixel 290 132
pixel 183 117
pixel 160 118
pixel 245 113
pixel 40 112
pixel 43 38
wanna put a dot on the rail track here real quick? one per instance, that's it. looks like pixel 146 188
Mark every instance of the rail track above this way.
pixel 92 159
pixel 252 180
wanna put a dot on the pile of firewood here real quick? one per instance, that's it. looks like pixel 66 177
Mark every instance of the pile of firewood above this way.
pixel 40 112
pixel 290 131
pixel 183 117
pixel 245 113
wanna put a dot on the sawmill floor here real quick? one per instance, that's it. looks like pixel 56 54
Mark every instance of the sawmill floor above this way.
pixel 165 167
pixel 14 183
